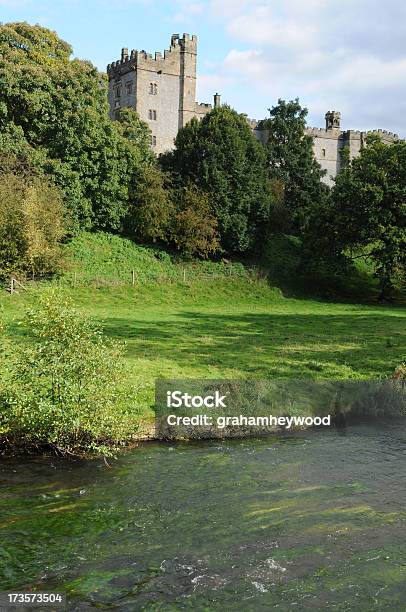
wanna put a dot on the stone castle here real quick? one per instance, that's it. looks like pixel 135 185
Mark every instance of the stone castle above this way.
pixel 162 89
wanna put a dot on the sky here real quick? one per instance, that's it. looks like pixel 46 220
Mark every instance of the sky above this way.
pixel 345 55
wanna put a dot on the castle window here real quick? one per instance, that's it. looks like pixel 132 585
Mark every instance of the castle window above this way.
pixel 117 91
pixel 323 152
pixel 153 141
pixel 153 88
pixel 152 115
pixel 129 87
pixel 117 104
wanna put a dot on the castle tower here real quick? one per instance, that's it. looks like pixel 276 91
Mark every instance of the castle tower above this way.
pixel 187 101
pixel 333 120
pixel 162 89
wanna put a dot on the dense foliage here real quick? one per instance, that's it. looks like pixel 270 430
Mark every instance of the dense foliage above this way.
pixel 366 214
pixel 194 227
pixel 151 211
pixel 296 175
pixel 66 388
pixel 32 221
pixel 221 157
pixel 54 110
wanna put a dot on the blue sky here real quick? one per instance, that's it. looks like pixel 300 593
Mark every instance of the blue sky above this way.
pixel 347 55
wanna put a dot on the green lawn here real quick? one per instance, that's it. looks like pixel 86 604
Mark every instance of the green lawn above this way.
pixel 235 328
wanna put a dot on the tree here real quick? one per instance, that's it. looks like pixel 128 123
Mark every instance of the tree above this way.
pixel 32 221
pixel 366 213
pixel 291 161
pixel 58 107
pixel 221 156
pixel 151 210
pixel 194 228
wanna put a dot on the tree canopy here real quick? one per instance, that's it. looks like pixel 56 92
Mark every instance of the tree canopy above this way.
pixel 366 213
pixel 54 109
pixel 292 164
pixel 221 156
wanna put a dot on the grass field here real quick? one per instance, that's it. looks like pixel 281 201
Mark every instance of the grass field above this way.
pixel 221 321
pixel 236 328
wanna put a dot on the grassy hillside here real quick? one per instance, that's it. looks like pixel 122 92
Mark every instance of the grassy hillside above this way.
pixel 217 325
pixel 281 260
pixel 107 259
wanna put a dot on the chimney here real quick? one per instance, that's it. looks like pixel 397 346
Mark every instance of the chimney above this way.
pixel 124 54
pixel 217 102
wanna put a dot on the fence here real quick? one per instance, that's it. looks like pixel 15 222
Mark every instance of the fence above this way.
pixel 127 277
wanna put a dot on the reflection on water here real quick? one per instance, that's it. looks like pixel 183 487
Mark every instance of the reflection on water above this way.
pixel 311 521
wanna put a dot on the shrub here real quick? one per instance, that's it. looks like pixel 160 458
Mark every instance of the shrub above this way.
pixel 194 227
pixel 66 388
pixel 31 224
pixel 151 210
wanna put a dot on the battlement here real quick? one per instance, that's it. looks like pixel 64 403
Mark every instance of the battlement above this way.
pixel 253 123
pixel 324 133
pixel 316 132
pixel 385 133
pixel 186 44
pixel 202 108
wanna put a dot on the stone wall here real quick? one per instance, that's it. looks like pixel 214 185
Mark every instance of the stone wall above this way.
pixel 329 143
pixel 161 88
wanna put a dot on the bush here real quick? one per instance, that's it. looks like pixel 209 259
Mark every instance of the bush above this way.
pixel 194 227
pixel 151 210
pixel 31 224
pixel 66 388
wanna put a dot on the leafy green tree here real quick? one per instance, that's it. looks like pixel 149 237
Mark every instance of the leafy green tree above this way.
pixel 194 228
pixel 151 210
pixel 58 107
pixel 32 221
pixel 65 389
pixel 366 214
pixel 291 161
pixel 221 156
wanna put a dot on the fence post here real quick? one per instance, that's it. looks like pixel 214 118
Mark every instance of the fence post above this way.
pixel 184 275
pixel 12 285
pixel 74 279
pixel 133 277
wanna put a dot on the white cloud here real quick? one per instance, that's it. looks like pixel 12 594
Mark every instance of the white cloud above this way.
pixel 188 11
pixel 226 8
pixel 348 56
pixel 263 27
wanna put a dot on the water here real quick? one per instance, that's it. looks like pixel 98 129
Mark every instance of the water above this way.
pixel 314 521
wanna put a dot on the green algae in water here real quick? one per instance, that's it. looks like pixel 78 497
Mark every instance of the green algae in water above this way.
pixel 314 521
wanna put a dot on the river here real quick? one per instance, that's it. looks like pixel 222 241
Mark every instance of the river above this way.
pixel 311 521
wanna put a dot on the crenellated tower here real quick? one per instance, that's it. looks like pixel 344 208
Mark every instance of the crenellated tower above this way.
pixel 161 88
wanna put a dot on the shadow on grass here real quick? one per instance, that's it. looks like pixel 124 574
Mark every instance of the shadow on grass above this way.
pixel 257 344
